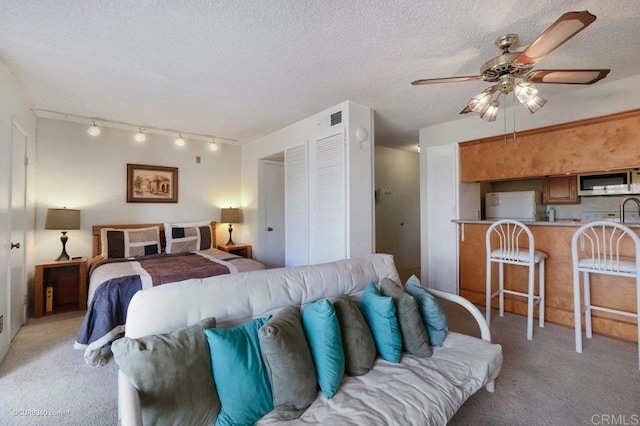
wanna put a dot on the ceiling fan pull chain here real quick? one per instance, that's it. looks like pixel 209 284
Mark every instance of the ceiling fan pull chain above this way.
pixel 514 116
pixel 505 120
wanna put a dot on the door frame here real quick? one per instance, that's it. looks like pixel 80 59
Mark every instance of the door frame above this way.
pixel 15 124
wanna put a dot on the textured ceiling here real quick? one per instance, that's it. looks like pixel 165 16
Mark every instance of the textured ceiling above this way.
pixel 243 69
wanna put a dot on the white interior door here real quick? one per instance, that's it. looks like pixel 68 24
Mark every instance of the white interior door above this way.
pixel 274 214
pixel 18 282
pixel 442 268
pixel 296 161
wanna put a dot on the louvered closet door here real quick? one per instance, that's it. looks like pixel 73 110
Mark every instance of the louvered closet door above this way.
pixel 296 166
pixel 327 181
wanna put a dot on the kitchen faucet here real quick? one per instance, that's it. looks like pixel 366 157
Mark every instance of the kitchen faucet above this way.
pixel 623 202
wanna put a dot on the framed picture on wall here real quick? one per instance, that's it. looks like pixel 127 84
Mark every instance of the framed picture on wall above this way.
pixel 152 184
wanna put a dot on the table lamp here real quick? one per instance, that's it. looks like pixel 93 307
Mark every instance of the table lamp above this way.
pixel 63 220
pixel 230 216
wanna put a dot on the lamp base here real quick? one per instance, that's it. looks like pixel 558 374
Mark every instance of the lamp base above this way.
pixel 63 255
pixel 230 242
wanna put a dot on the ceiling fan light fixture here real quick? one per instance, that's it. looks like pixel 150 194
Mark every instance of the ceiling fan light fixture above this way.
pixel 525 91
pixel 535 103
pixel 491 111
pixel 481 101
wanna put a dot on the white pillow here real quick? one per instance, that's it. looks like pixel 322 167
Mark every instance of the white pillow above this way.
pixel 192 241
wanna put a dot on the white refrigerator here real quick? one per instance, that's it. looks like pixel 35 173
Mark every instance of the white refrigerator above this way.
pixel 518 205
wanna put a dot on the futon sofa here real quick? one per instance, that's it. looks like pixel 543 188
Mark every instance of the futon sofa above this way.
pixel 418 391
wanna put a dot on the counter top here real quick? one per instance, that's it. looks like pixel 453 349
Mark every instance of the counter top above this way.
pixel 558 222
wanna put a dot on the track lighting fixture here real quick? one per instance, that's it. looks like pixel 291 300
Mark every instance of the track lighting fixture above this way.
pixel 94 130
pixel 140 136
pixel 139 132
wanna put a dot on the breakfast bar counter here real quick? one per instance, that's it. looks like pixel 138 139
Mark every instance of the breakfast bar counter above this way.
pixel 553 238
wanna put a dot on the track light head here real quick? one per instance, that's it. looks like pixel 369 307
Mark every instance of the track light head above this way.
pixel 94 130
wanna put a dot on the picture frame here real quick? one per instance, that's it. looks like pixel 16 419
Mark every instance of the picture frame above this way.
pixel 152 184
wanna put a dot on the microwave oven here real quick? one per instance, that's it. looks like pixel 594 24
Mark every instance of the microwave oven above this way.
pixel 614 183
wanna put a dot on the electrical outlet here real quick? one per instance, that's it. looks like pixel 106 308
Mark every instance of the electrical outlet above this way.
pixel 1 323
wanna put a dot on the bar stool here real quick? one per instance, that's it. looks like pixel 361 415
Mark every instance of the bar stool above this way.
pixel 601 241
pixel 510 241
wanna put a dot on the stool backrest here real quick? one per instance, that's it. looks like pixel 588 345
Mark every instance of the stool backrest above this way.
pixel 510 240
pixel 601 242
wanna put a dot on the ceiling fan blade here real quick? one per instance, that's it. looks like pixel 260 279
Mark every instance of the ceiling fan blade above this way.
pixel 568 25
pixel 566 76
pixel 446 80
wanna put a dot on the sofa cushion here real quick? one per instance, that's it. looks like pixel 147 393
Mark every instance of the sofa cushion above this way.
pixel 286 356
pixel 414 335
pixel 322 329
pixel 357 341
pixel 239 373
pixel 433 315
pixel 166 379
pixel 380 314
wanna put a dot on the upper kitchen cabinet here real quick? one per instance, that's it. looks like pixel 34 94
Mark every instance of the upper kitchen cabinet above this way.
pixel 560 190
pixel 604 143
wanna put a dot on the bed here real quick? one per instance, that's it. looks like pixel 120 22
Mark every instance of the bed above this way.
pixel 130 258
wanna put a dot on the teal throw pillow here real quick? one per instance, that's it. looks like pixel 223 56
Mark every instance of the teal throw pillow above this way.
pixel 380 314
pixel 240 376
pixel 322 328
pixel 286 355
pixel 412 329
pixel 432 313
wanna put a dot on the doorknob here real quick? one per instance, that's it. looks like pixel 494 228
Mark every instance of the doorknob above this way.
pixel 269 229
pixel 16 245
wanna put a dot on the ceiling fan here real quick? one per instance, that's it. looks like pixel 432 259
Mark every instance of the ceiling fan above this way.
pixel 509 66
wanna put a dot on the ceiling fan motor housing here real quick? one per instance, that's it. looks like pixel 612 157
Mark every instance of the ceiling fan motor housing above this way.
pixel 501 65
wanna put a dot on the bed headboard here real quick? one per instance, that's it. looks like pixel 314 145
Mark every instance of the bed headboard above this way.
pixel 97 242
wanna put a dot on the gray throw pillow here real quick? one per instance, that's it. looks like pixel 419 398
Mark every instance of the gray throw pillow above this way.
pixel 287 357
pixel 157 366
pixel 357 340
pixel 414 336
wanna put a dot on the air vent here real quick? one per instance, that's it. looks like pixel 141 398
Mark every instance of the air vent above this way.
pixel 336 118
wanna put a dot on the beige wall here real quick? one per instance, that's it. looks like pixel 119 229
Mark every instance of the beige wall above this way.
pixel 398 214
pixel 76 170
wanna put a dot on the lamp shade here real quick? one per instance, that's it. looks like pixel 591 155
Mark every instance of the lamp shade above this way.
pixel 62 219
pixel 230 215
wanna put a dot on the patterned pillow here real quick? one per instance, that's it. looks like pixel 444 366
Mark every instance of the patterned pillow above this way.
pixel 117 243
pixel 188 237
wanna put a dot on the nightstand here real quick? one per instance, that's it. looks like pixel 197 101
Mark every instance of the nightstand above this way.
pixel 66 281
pixel 239 249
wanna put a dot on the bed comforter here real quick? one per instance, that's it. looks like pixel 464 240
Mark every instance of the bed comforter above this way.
pixel 113 282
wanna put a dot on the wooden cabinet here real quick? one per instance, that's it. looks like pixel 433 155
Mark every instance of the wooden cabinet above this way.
pixel 243 250
pixel 604 143
pixel 560 190
pixel 67 283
